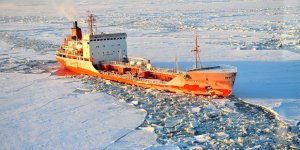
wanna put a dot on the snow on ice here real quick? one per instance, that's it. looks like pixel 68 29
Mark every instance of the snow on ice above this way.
pixel 40 110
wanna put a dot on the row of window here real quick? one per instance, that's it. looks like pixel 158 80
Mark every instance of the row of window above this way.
pixel 108 52
pixel 111 45
pixel 106 39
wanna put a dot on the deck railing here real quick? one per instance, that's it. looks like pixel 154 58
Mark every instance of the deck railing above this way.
pixel 77 57
pixel 126 76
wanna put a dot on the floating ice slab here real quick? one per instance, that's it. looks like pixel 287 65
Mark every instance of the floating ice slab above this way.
pixel 41 111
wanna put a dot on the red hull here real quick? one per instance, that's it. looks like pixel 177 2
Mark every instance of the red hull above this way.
pixel 202 83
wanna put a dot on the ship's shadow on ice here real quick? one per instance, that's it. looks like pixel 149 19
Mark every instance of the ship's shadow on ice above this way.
pixel 258 79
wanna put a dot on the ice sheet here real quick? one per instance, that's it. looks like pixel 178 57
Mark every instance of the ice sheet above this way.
pixel 259 36
pixel 40 111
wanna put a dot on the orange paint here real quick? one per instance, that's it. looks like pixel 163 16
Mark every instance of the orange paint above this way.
pixel 77 54
pixel 185 86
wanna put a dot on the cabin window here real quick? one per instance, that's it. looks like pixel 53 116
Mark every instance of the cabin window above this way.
pixel 187 76
pixel 101 39
pixel 111 38
pixel 103 45
pixel 103 53
pixel 112 45
pixel 119 44
pixel 118 38
pixel 97 39
pixel 104 39
pixel 115 38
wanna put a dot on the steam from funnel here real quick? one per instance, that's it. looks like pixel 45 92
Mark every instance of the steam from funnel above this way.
pixel 67 8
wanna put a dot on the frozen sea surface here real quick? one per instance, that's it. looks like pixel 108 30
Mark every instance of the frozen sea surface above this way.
pixel 42 111
pixel 274 84
pixel 259 37
pixel 190 121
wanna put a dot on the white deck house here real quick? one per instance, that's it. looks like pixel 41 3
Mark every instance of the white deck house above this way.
pixel 105 47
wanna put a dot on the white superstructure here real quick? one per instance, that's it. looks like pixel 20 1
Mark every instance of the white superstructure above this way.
pixel 105 47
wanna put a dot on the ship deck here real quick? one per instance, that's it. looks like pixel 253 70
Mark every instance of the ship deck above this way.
pixel 220 68
pixel 130 77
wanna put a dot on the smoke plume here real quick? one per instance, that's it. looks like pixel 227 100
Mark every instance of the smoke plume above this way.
pixel 67 9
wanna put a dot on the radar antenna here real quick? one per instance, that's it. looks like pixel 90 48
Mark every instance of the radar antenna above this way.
pixel 196 51
pixel 90 20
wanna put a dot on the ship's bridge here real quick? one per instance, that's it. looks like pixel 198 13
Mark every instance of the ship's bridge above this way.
pixel 105 47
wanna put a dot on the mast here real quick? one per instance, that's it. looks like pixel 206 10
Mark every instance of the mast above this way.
pixel 90 20
pixel 196 51
pixel 176 64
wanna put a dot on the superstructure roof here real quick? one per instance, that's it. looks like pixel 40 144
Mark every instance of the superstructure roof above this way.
pixel 108 35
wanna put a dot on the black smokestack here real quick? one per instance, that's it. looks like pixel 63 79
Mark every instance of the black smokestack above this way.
pixel 75 24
